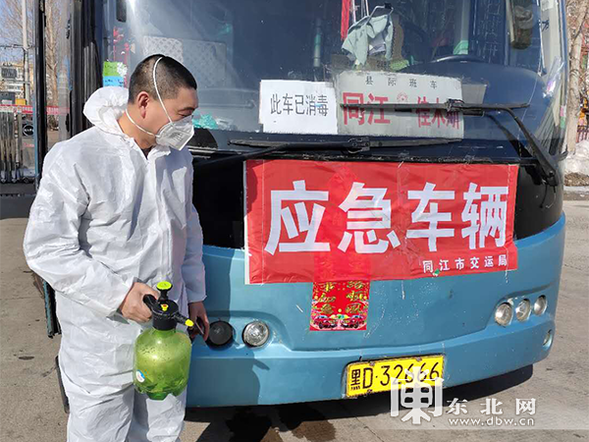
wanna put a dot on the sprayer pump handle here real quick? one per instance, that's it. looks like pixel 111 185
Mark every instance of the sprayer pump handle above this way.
pixel 150 301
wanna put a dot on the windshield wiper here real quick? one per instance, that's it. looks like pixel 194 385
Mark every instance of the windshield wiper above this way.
pixel 548 167
pixel 352 145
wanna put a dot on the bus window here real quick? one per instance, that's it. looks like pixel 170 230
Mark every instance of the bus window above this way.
pixel 232 45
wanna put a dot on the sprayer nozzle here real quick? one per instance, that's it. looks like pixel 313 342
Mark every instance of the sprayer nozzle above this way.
pixel 189 323
pixel 164 285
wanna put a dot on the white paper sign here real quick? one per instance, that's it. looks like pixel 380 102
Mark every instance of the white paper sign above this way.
pixel 298 107
pixel 365 87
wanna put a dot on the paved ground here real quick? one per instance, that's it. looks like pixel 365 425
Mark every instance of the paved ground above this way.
pixel 31 410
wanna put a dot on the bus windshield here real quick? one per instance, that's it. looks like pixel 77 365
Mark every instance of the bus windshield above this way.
pixel 290 67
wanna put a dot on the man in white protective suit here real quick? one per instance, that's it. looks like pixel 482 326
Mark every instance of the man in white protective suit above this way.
pixel 114 216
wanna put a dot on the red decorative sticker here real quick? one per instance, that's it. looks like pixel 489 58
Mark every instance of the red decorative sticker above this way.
pixel 313 221
pixel 339 306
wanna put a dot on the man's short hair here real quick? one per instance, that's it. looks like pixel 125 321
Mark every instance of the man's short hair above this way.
pixel 171 75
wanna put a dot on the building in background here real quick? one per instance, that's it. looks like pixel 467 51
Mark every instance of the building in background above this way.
pixel 12 83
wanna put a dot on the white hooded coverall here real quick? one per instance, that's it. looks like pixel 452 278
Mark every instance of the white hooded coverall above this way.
pixel 104 217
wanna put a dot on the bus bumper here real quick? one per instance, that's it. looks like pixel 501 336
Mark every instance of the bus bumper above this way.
pixel 275 374
pixel 283 376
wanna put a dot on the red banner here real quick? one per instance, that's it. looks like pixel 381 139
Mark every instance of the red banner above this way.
pixel 315 221
pixel 28 110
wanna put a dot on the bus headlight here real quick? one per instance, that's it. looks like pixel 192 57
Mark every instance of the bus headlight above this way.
pixel 540 305
pixel 220 333
pixel 256 333
pixel 523 310
pixel 504 314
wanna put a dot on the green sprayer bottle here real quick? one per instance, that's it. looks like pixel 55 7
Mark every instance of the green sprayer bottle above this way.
pixel 162 354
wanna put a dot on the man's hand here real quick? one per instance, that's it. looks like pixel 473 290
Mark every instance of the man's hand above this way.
pixel 133 306
pixel 197 310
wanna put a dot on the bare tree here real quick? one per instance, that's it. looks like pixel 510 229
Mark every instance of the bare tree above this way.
pixel 11 29
pixel 56 21
pixel 577 28
pixel 11 21
pixel 11 34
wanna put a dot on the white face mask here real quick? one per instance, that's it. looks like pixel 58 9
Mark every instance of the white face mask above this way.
pixel 174 133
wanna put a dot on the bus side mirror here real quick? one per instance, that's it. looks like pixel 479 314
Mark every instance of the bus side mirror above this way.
pixel 122 11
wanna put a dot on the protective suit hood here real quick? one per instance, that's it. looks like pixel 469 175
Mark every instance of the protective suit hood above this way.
pixel 105 107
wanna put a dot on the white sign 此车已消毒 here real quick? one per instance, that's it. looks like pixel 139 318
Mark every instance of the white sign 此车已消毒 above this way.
pixel 367 87
pixel 302 107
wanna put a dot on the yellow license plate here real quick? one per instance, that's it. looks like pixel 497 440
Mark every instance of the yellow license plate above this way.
pixel 376 376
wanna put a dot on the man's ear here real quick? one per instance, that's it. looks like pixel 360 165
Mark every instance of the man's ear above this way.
pixel 141 101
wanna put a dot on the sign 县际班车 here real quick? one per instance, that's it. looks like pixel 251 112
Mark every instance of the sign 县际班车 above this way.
pixel 374 88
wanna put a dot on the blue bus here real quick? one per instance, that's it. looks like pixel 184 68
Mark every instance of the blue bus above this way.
pixel 509 60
